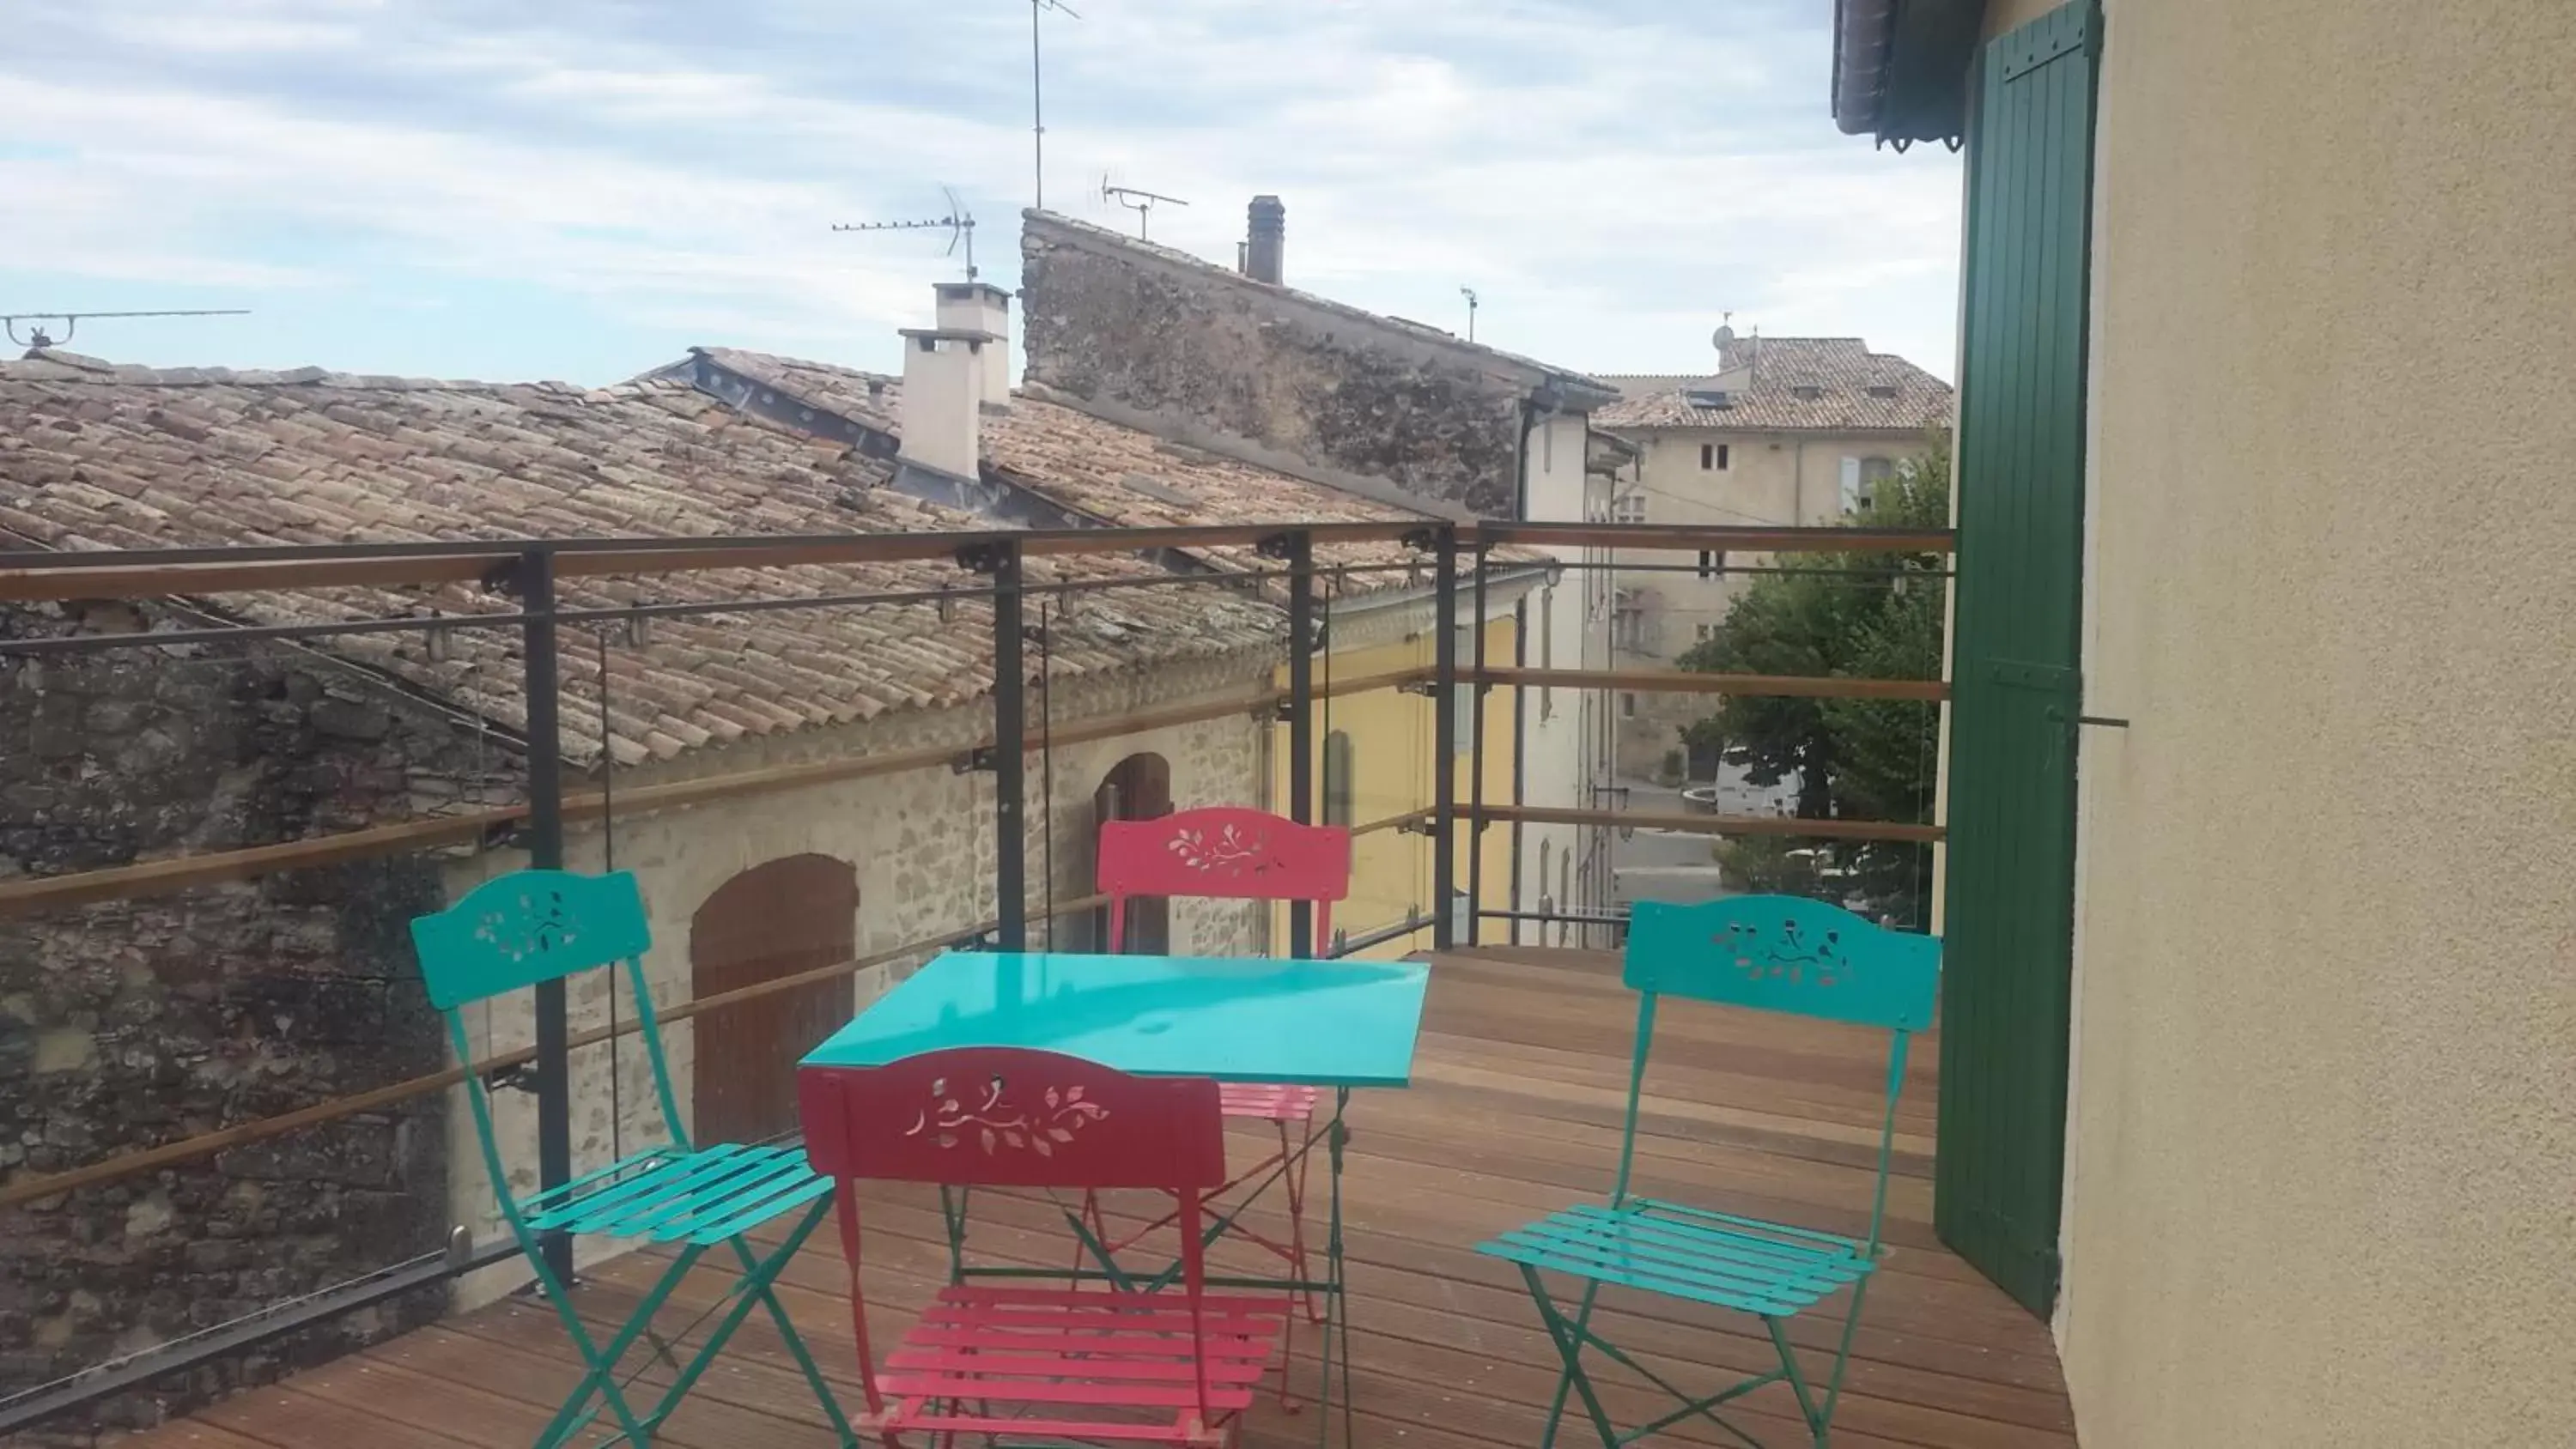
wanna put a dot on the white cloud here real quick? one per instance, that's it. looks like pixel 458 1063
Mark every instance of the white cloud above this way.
pixel 1608 176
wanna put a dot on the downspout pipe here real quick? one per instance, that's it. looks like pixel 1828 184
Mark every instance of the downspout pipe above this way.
pixel 1520 745
pixel 1542 402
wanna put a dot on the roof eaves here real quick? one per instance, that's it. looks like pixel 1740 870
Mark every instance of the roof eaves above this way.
pixel 1900 68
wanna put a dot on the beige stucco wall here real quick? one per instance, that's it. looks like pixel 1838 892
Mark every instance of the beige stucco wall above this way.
pixel 922 842
pixel 2324 1148
pixel 1776 478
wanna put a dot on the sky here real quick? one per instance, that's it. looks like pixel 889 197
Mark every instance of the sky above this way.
pixel 583 189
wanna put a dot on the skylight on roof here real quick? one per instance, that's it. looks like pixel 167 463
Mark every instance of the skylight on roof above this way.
pixel 1708 397
pixel 1140 483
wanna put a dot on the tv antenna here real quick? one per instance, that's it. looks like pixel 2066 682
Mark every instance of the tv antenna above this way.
pixel 1037 93
pixel 959 223
pixel 38 337
pixel 1138 201
pixel 1470 294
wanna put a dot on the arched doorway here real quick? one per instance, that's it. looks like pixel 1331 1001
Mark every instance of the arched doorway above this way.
pixel 775 919
pixel 1138 788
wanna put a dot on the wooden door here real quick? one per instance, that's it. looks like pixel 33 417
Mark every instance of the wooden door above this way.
pixel 2010 902
pixel 776 919
pixel 1138 788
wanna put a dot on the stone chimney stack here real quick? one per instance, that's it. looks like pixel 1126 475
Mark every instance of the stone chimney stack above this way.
pixel 982 307
pixel 1267 240
pixel 943 392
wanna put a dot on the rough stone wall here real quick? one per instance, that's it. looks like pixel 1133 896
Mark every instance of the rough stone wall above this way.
pixel 127 1024
pixel 1156 336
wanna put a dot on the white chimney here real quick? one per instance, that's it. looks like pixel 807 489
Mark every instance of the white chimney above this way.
pixel 943 386
pixel 982 307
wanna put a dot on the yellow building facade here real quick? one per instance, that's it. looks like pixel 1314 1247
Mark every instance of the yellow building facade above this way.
pixel 1376 761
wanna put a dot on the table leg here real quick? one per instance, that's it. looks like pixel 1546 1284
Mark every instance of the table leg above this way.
pixel 1337 1313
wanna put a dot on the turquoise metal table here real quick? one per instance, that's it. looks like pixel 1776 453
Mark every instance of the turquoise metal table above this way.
pixel 1334 1024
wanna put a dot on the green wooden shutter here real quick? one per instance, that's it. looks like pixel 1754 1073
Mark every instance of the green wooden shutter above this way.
pixel 2011 895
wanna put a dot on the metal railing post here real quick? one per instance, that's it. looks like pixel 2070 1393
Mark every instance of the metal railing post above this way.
pixel 546 852
pixel 1299 547
pixel 1010 729
pixel 1444 727
pixel 1476 768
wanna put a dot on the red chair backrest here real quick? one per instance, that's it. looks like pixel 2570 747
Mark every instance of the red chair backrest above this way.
pixel 1223 852
pixel 1011 1117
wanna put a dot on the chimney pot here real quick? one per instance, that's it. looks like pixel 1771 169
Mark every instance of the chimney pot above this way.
pixel 981 307
pixel 1268 239
pixel 943 384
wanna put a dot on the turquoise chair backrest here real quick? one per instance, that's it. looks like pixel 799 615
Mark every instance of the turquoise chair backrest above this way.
pixel 515 931
pixel 1785 953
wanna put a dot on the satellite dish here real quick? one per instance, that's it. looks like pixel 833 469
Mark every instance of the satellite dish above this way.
pixel 1721 337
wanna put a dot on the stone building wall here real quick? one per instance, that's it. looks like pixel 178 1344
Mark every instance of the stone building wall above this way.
pixel 1146 335
pixel 131 1023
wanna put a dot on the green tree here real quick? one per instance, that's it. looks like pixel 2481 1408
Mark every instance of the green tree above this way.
pixel 1855 615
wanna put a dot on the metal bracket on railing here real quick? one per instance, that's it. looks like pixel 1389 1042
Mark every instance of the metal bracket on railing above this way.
pixel 521 1078
pixel 1416 827
pixel 981 757
pixel 1424 687
pixel 1276 545
pixel 979 558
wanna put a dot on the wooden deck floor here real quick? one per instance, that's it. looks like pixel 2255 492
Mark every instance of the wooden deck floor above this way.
pixel 1514 1111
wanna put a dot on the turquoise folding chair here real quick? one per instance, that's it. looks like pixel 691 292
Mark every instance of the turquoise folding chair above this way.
pixel 515 931
pixel 1772 953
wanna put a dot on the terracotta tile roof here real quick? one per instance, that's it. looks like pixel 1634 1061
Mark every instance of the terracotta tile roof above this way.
pixel 94 457
pixel 1108 471
pixel 1799 384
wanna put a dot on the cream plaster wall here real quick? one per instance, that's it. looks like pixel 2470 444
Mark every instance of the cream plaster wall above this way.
pixel 2324 1184
pixel 1774 478
pixel 922 841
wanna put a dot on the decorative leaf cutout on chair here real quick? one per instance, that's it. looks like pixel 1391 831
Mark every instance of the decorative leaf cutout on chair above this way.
pixel 998 1124
pixel 1787 954
pixel 1234 852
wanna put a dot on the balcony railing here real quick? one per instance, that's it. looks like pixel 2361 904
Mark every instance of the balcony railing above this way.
pixel 527 616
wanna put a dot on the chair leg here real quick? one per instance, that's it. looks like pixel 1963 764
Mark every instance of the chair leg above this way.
pixel 1569 1340
pixel 795 1341
pixel 599 1378
pixel 1582 1322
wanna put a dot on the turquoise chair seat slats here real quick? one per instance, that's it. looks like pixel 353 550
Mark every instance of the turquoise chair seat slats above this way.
pixel 701 1197
pixel 1680 1252
pixel 1766 953
pixel 532 926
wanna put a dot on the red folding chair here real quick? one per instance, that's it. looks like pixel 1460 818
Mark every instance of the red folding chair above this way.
pixel 1029 1361
pixel 1227 852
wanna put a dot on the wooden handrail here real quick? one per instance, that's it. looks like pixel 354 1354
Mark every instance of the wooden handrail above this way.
pixel 32 576
pixel 1687 681
pixel 1799 827
pixel 40 893
pixel 205 1144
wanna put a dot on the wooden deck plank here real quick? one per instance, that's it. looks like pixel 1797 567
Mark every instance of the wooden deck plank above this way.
pixel 1515 1111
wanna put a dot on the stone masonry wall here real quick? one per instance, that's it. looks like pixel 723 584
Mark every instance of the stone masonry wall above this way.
pixel 130 1023
pixel 1144 334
